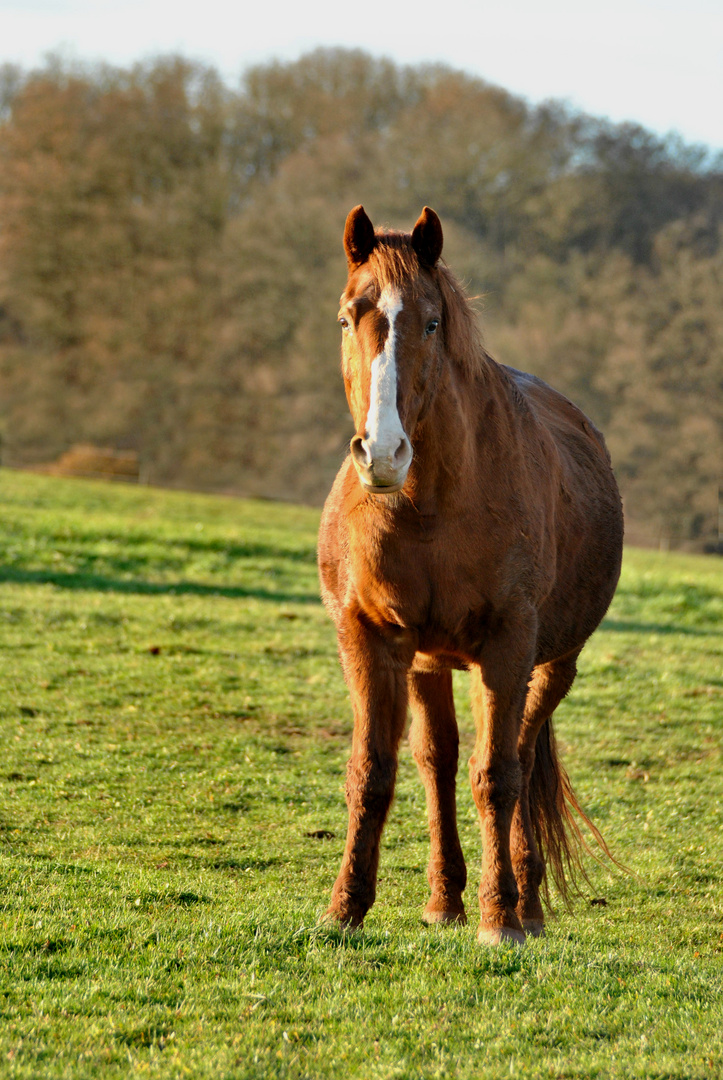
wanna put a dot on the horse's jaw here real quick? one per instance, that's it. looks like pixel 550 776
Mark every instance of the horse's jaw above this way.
pixel 381 489
pixel 383 478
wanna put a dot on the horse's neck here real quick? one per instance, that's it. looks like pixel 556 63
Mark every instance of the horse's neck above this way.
pixel 447 457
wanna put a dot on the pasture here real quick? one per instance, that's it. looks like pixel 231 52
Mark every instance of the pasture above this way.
pixel 174 735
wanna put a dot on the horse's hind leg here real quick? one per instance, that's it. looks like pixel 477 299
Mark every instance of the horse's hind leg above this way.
pixel 548 686
pixel 499 685
pixel 434 740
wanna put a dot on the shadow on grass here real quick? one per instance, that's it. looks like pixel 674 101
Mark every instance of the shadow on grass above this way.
pixel 167 898
pixel 39 948
pixel 145 1037
pixel 620 626
pixel 131 543
pixel 97 583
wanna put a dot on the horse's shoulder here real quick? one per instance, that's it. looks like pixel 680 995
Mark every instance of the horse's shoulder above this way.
pixel 332 543
pixel 335 505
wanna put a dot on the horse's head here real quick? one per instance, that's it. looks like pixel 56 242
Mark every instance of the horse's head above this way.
pixel 391 314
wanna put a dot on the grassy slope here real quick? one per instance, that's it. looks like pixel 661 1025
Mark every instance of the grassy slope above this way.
pixel 174 725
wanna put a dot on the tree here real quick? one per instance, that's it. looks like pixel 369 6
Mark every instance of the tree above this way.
pixel 170 265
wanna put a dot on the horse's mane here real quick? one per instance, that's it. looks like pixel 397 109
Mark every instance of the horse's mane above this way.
pixel 393 261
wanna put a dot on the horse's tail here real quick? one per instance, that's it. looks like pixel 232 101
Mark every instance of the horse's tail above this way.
pixel 555 812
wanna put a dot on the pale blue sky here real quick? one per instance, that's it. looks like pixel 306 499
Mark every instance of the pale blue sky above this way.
pixel 658 62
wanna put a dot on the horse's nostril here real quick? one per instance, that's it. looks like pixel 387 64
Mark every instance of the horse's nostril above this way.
pixel 360 451
pixel 381 460
pixel 402 451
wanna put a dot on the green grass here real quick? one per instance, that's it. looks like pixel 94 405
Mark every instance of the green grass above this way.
pixel 174 727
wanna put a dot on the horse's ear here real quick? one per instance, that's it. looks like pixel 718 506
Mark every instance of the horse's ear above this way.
pixel 427 238
pixel 359 238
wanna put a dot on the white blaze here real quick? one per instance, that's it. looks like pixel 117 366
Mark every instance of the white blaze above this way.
pixel 384 430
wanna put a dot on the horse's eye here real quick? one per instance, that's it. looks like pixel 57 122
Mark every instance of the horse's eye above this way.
pixel 344 323
pixel 431 327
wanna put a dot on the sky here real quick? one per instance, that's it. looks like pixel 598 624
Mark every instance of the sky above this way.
pixel 656 62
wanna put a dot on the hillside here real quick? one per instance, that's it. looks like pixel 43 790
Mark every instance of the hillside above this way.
pixel 175 727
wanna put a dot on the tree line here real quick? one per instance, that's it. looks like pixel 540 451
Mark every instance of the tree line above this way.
pixel 170 266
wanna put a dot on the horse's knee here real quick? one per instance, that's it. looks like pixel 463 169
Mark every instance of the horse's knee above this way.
pixel 438 758
pixel 496 786
pixel 370 785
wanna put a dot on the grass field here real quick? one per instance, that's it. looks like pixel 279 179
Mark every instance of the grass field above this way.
pixel 174 732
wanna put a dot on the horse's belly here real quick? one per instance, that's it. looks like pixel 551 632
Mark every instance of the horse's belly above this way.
pixel 431 663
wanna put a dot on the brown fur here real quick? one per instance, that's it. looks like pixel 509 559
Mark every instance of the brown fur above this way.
pixel 500 554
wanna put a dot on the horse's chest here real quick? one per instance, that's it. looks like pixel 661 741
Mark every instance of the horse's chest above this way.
pixel 392 586
pixel 424 584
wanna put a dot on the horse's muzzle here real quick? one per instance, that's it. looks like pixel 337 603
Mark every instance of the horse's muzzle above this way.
pixel 380 471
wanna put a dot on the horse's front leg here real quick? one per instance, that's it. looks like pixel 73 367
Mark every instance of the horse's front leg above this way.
pixel 375 666
pixel 499 685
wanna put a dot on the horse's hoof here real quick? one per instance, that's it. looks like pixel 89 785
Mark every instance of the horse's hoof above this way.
pixel 333 920
pixel 438 918
pixel 500 935
pixel 533 927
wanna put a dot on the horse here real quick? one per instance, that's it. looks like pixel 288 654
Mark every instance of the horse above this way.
pixel 475 524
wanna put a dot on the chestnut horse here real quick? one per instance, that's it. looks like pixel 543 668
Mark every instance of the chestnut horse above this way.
pixel 475 524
